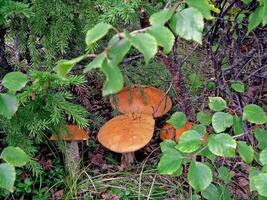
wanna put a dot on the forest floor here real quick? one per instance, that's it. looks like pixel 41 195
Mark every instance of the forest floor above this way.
pixel 101 176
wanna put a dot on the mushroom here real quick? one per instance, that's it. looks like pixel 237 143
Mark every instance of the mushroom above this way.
pixel 73 136
pixel 168 132
pixel 142 99
pixel 126 134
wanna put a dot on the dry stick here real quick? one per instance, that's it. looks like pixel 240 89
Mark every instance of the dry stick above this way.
pixel 259 49
pixel 185 59
pixel 252 74
pixel 244 66
pixel 128 60
pixel 217 67
pixel 176 70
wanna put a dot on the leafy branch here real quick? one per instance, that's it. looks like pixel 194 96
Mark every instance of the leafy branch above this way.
pixel 166 24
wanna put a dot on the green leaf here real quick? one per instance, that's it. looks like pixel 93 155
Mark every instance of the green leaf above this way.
pixel 202 6
pixel 195 197
pixel 224 193
pixel 161 17
pixel 264 169
pixel 114 40
pixel 214 9
pixel 8 105
pixel 264 5
pixel 188 24
pixel 96 33
pixel 170 162
pixel 211 85
pixel 15 81
pixel 178 172
pixel 211 192
pixel 238 86
pixel 167 144
pixel 255 18
pixel 246 1
pixel 189 142
pixel 224 174
pixel 263 157
pixel 254 114
pixel 261 136
pixel 253 172
pixel 221 121
pixel 237 125
pixel 200 128
pixel 7 176
pixel 260 182
pixel 195 81
pixel 222 145
pixel 177 120
pixel 261 198
pixel 14 156
pixel 199 176
pixel 96 63
pixel 164 37
pixel 145 43
pixel 114 79
pixel 217 103
pixel 246 152
pixel 208 154
pixel 204 118
pixel 65 66
pixel 117 52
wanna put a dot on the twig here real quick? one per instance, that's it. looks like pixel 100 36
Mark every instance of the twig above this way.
pixel 130 59
pixel 92 55
pixel 252 74
pixel 190 54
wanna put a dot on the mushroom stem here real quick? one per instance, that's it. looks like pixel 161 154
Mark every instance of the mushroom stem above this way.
pixel 72 157
pixel 127 160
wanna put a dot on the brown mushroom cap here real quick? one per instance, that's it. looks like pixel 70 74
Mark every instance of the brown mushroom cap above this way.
pixel 168 131
pixel 127 133
pixel 73 133
pixel 142 99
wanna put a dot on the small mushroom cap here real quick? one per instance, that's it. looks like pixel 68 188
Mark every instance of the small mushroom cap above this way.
pixel 167 132
pixel 127 133
pixel 142 99
pixel 73 133
pixel 205 138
